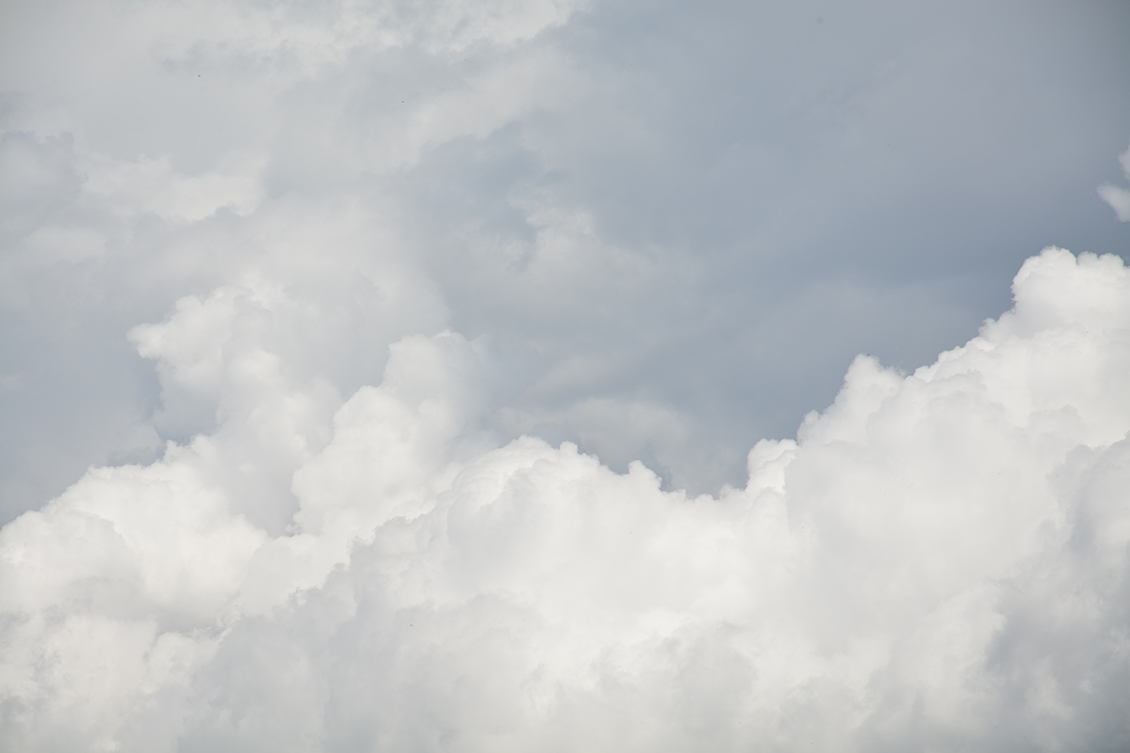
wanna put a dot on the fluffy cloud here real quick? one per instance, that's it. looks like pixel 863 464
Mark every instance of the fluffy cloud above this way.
pixel 939 560
pixel 334 334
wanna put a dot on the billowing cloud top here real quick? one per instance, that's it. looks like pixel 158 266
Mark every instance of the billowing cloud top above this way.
pixel 941 560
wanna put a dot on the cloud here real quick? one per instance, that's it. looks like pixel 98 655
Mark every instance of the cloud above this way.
pixel 151 185
pixel 1118 198
pixel 592 185
pixel 939 560
pixel 334 335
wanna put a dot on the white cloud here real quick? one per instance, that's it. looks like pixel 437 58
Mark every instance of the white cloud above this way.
pixel 284 284
pixel 939 560
pixel 1118 198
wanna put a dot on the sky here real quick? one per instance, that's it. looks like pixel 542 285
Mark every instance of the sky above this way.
pixel 564 375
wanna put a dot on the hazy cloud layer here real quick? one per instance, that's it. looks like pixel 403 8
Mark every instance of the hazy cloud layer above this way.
pixel 939 560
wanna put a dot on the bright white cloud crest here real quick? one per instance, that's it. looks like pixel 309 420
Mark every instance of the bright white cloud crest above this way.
pixel 940 557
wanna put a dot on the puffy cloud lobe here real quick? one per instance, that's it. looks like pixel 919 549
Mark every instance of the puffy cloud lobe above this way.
pixel 940 560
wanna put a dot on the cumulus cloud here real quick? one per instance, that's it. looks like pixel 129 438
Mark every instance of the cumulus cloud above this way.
pixel 938 560
pixel 365 365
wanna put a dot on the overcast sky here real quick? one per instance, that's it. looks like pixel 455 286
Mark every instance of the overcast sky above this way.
pixel 366 309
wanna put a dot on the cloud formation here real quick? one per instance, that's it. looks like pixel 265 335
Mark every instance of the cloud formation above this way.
pixel 365 364
pixel 939 560
pixel 591 186
pixel 1119 198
